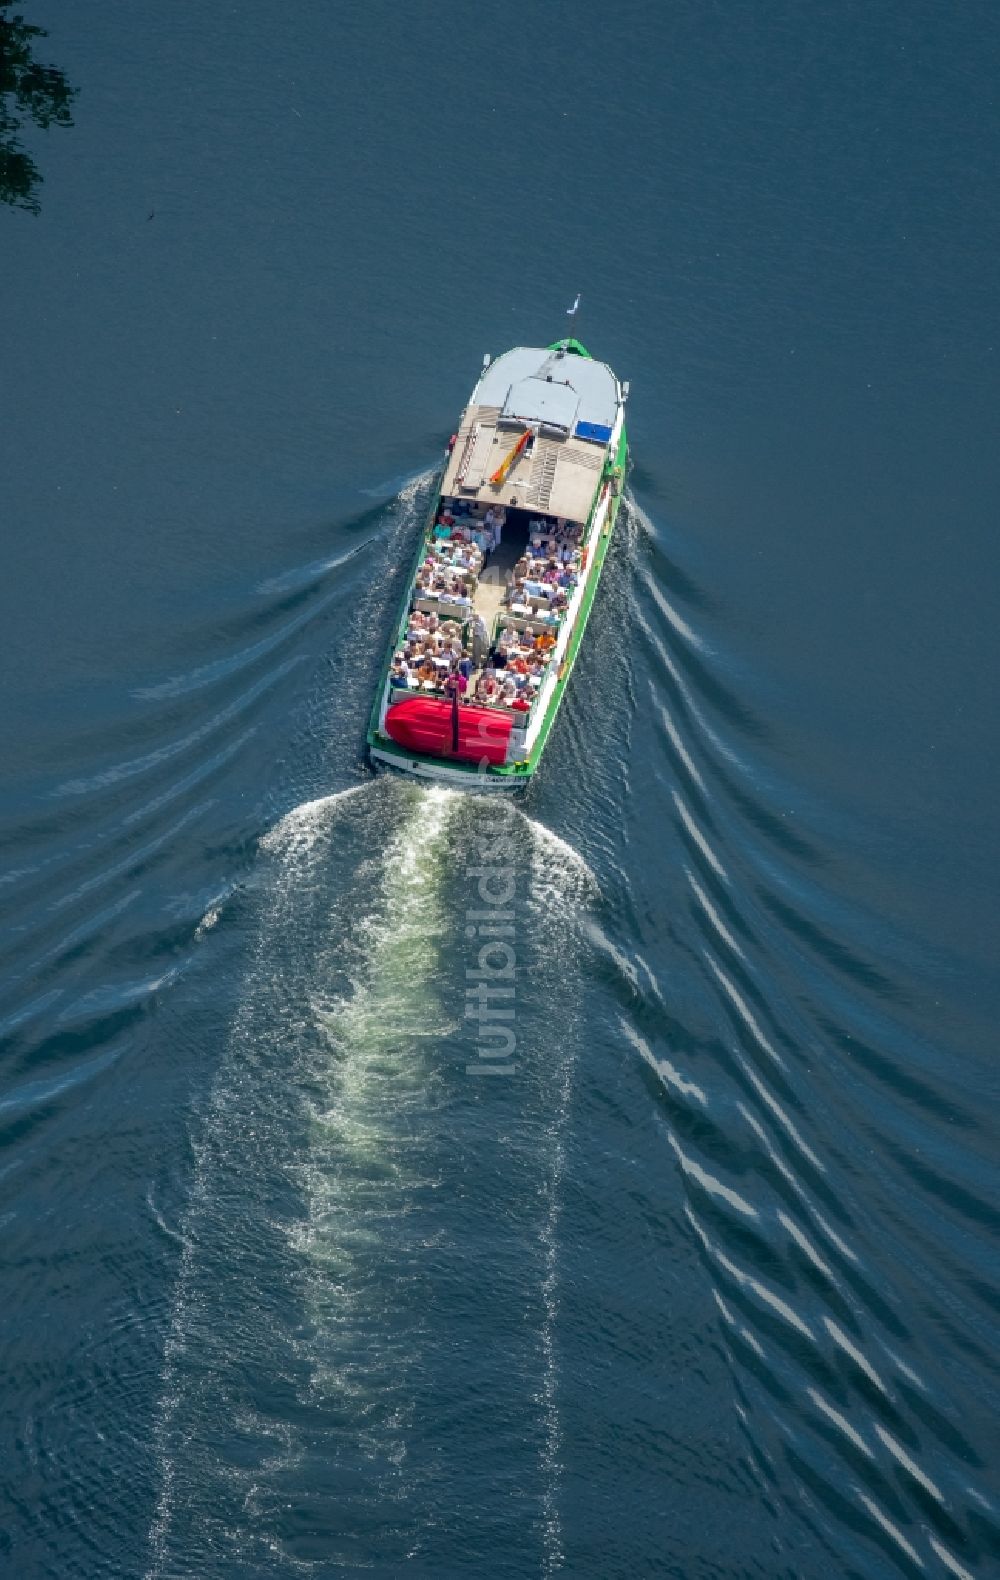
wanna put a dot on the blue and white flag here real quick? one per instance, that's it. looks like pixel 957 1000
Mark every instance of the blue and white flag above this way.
pixel 571 310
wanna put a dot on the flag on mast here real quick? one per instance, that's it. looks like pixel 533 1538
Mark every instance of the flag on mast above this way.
pixel 571 310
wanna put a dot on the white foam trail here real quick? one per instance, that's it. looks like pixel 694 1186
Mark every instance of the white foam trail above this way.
pixel 671 1077
pixel 723 1308
pixel 674 734
pixel 367 1019
pixel 297 832
pixel 552 1454
pixel 747 1281
pixel 296 842
pixel 305 575
pixel 670 614
pixel 685 691
pixel 839 1421
pixel 111 996
pixel 839 1337
pixel 698 837
pixel 745 1013
pixel 749 1338
pixel 713 915
pixel 223 668
pixel 899 1453
pixel 295 838
pixel 375 1074
pixel 553 861
pixel 951 1563
pixel 907 1371
pixel 890 1529
pixel 159 1220
pixel 409 491
pixel 136 766
pixel 633 511
pixel 33 1094
pixel 783 1119
pixel 796 1185
pixel 708 1182
pixel 208 921
pixel 548 879
pixel 804 1243
pixel 131 861
pixel 29 1011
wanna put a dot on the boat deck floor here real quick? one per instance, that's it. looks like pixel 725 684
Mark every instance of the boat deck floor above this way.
pixel 493 580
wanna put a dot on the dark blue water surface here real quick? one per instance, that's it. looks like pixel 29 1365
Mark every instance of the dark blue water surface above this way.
pixel 710 1284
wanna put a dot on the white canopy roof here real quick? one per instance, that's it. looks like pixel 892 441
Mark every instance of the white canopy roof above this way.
pixel 592 384
pixel 535 400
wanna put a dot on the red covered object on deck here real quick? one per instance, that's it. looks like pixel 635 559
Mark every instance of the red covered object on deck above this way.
pixel 427 724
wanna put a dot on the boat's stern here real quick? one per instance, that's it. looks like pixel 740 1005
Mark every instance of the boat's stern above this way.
pixel 458 775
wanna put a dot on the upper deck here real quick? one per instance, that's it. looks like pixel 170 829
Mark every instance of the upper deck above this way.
pixel 570 404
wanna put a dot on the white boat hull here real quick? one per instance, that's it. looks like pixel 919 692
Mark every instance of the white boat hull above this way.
pixel 440 773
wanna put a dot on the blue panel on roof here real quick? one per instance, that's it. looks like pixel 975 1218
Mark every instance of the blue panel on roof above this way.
pixel 593 430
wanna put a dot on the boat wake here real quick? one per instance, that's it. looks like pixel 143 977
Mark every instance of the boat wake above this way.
pixel 356 1191
pixel 823 1149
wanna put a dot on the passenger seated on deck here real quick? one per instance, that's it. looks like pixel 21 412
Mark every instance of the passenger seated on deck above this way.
pixel 427 672
pixel 544 640
pixel 400 672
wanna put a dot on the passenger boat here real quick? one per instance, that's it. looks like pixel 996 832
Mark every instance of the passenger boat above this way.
pixel 506 571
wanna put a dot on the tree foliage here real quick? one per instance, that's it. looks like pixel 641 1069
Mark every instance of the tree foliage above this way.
pixel 28 92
